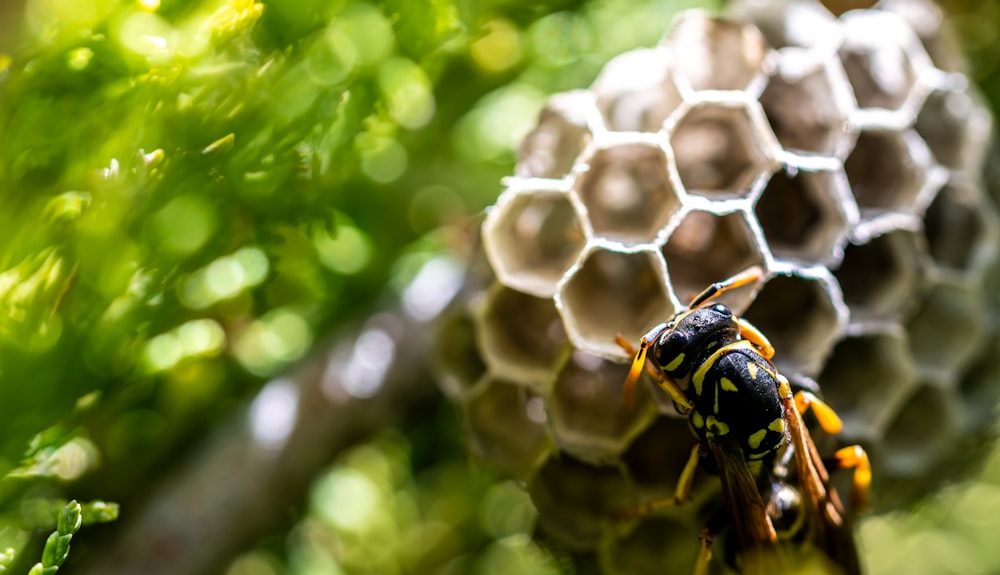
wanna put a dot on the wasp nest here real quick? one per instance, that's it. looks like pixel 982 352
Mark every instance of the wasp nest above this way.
pixel 841 154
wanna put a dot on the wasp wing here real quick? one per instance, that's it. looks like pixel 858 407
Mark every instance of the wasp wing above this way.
pixel 750 525
pixel 827 524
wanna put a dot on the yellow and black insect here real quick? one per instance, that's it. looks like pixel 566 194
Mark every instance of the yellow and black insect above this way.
pixel 717 369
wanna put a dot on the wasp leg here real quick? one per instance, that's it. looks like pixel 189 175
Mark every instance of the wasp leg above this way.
pixel 681 492
pixel 851 457
pixel 856 457
pixel 683 404
pixel 747 276
pixel 825 415
pixel 750 332
pixel 704 551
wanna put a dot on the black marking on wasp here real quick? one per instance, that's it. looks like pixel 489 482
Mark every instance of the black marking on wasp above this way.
pixel 744 414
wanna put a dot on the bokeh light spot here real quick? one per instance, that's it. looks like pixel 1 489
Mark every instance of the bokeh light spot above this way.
pixel 253 263
pixel 225 278
pixel 148 35
pixel 433 288
pixel 79 58
pixel 384 161
pixel 201 337
pixel 368 30
pixel 507 510
pixel 407 91
pixel 196 338
pixel 498 48
pixel 347 251
pixel 271 342
pixel 370 360
pixel 163 352
pixel 346 498
pixel 74 458
pixel 332 59
pixel 516 554
pixel 273 413
pixel 184 225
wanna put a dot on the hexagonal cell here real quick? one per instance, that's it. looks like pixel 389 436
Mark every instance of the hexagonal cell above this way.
pixel 561 134
pixel 635 92
pixel 804 23
pixel 715 54
pixel 506 425
pixel 662 543
pixel 706 248
pixel 955 127
pixel 880 278
pixel 885 171
pixel 722 148
pixel 923 429
pixel 587 415
pixel 866 378
pixel 531 238
pixel 657 456
pixel 799 317
pixel 801 215
pixel 979 388
pixel 575 500
pixel 928 21
pixel 882 58
pixel 807 104
pixel 946 326
pixel 957 230
pixel 628 192
pixel 614 293
pixel 458 365
pixel 521 336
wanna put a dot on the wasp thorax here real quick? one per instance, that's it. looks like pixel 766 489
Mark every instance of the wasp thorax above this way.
pixel 694 336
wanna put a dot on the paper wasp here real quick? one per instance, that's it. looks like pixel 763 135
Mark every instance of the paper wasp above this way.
pixel 717 369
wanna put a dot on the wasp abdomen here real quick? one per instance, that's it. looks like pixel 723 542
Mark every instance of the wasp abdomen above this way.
pixel 735 393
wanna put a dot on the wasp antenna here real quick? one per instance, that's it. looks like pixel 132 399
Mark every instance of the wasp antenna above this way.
pixel 638 362
pixel 747 276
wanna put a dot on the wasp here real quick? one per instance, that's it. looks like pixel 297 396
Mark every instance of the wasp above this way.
pixel 717 369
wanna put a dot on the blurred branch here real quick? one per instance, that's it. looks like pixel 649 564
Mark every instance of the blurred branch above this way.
pixel 261 461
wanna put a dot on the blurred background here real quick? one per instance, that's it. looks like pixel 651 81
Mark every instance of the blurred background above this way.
pixel 200 200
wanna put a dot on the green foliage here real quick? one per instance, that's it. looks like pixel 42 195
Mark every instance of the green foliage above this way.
pixel 68 521
pixel 194 193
